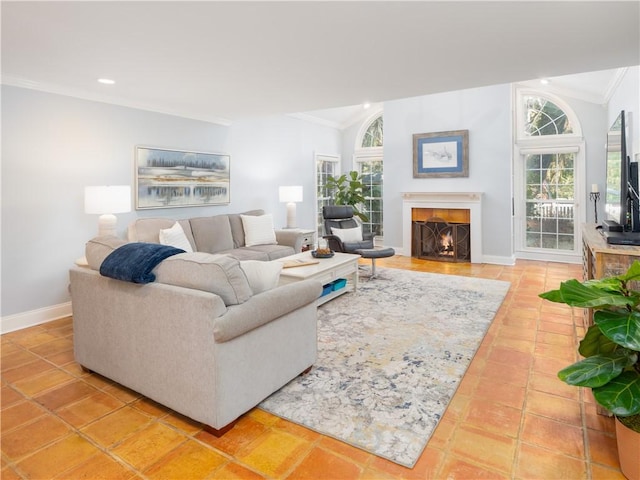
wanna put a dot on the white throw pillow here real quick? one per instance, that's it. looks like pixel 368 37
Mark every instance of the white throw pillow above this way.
pixel 258 230
pixel 175 237
pixel 262 276
pixel 348 235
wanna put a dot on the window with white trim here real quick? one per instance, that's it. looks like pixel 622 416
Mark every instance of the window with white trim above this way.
pixel 326 165
pixel 549 168
pixel 368 161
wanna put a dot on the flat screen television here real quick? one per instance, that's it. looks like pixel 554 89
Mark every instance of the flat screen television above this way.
pixel 616 198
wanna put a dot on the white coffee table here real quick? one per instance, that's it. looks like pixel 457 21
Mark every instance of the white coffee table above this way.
pixel 341 265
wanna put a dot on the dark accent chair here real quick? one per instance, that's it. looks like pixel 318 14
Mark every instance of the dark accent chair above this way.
pixel 341 216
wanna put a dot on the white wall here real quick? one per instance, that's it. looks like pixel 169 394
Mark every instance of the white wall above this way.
pixel 486 113
pixel 627 98
pixel 53 146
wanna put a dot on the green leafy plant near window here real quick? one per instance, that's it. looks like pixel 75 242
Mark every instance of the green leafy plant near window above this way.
pixel 611 347
pixel 348 189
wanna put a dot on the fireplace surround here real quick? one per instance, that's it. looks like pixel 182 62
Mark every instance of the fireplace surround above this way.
pixel 444 200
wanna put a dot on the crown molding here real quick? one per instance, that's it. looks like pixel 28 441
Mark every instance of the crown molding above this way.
pixel 84 95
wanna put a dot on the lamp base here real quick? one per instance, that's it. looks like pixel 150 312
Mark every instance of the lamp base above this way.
pixel 291 215
pixel 107 225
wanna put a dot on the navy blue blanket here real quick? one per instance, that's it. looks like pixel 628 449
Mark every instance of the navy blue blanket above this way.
pixel 133 262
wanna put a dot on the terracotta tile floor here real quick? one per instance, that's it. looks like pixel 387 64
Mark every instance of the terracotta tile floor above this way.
pixel 511 418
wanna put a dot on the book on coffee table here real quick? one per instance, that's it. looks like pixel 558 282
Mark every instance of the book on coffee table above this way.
pixel 300 262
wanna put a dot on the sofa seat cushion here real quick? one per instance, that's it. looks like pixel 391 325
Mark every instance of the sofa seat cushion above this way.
pixel 272 252
pixel 246 254
pixel 263 308
pixel 219 274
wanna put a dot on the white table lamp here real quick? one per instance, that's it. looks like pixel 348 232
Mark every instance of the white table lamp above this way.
pixel 105 201
pixel 291 195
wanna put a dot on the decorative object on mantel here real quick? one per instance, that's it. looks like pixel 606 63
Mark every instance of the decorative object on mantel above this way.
pixel 595 196
pixel 441 154
pixel 175 178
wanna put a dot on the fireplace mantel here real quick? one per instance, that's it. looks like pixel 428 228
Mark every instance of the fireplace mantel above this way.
pixel 440 197
pixel 467 200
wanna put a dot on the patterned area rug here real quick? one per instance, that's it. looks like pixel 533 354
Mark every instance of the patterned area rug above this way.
pixel 390 358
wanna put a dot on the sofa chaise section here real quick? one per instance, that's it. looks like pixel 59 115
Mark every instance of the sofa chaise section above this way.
pixel 184 347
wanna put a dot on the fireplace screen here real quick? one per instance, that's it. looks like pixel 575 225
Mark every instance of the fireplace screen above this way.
pixel 436 239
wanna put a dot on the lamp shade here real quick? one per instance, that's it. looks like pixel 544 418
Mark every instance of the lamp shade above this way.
pixel 107 199
pixel 290 194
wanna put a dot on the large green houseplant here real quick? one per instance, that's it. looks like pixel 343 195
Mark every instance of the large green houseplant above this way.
pixel 348 189
pixel 611 347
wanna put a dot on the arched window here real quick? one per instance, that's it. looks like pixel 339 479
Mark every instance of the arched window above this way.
pixel 544 117
pixel 373 135
pixel 368 162
pixel 549 168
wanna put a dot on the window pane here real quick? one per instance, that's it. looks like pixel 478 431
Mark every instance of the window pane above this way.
pixel 545 118
pixel 373 136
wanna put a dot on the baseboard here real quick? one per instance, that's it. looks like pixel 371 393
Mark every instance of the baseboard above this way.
pixel 548 257
pixel 11 323
pixel 497 260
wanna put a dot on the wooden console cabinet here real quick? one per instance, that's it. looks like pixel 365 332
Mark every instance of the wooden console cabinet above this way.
pixel 599 259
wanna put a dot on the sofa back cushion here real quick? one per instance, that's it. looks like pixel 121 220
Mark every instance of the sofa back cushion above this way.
pixel 212 234
pixel 99 248
pixel 148 230
pixel 219 274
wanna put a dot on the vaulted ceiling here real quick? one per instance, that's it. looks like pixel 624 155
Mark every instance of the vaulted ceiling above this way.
pixel 225 61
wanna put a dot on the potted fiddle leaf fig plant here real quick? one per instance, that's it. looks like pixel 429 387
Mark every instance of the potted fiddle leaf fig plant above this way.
pixel 611 351
pixel 348 189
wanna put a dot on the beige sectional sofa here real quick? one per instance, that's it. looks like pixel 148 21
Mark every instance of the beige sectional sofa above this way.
pixel 205 339
pixel 223 234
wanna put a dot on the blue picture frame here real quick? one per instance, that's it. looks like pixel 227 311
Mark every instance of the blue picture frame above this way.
pixel 441 154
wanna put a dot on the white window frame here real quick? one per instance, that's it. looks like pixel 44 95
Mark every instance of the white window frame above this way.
pixel 545 144
pixel 322 157
pixel 368 154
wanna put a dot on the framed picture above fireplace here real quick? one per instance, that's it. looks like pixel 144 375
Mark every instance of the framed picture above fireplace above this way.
pixel 441 154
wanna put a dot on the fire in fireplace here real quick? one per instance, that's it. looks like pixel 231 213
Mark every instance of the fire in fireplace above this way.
pixel 436 239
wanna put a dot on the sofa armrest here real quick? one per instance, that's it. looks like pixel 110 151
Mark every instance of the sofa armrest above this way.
pixel 291 238
pixel 264 308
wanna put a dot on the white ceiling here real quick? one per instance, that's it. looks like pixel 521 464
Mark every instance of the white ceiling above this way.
pixel 225 61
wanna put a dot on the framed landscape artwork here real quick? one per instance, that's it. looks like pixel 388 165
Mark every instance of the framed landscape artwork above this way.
pixel 174 178
pixel 441 154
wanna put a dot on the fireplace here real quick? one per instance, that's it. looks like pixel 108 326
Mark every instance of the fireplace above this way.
pixel 455 208
pixel 437 239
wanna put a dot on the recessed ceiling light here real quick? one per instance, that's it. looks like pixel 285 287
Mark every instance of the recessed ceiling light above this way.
pixel 545 81
pixel 106 81
pixel 366 105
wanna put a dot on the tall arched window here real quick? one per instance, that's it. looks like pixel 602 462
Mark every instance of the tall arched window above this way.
pixel 368 162
pixel 549 168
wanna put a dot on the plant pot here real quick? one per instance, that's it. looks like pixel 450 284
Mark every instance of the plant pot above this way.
pixel 628 451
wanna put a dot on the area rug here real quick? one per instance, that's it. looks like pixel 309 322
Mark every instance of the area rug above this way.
pixel 391 357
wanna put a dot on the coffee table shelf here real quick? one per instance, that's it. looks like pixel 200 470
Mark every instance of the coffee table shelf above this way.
pixel 341 265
